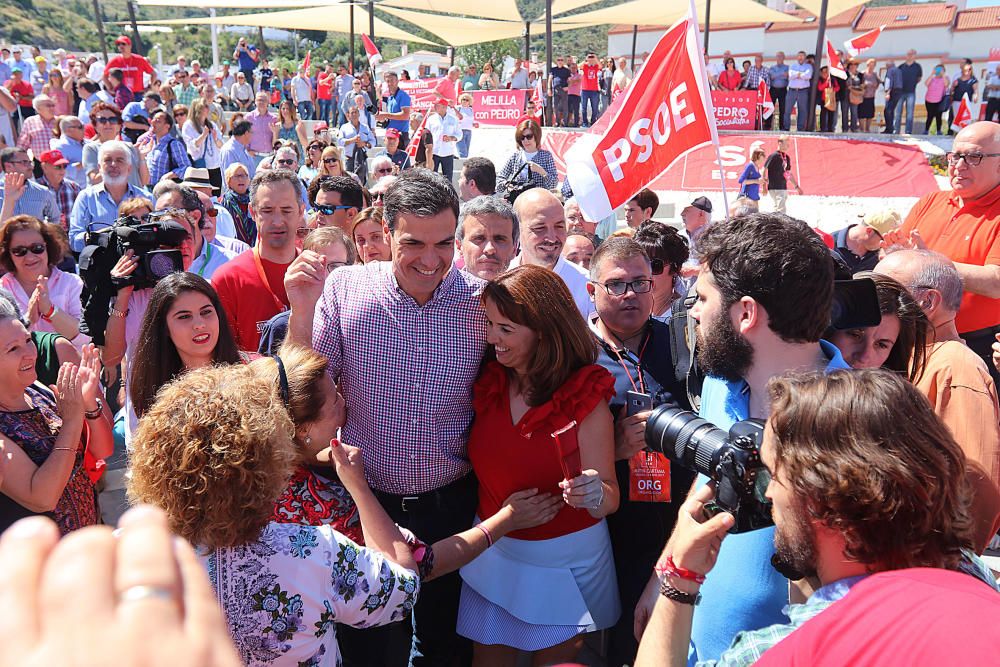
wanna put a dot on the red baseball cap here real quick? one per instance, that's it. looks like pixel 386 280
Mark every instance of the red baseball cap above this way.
pixel 123 40
pixel 53 157
pixel 320 126
pixel 442 100
pixel 392 132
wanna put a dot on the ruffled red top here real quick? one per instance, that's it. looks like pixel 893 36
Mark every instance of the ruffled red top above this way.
pixel 510 457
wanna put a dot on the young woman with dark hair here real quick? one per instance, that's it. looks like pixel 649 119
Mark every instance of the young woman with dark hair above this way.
pixel 542 379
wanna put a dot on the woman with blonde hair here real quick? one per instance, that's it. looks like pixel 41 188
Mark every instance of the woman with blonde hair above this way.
pixel 331 162
pixel 489 80
pixel 204 141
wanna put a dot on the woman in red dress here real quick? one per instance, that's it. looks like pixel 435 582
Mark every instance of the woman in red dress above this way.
pixel 539 589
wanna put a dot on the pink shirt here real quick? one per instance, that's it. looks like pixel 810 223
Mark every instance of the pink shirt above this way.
pixel 64 292
pixel 575 83
pixel 935 89
pixel 446 89
pixel 261 136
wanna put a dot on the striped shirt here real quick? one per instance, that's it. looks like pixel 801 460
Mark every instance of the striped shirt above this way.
pixel 406 372
pixel 36 200
pixel 168 155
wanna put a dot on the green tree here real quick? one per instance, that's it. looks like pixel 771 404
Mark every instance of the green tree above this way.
pixel 477 54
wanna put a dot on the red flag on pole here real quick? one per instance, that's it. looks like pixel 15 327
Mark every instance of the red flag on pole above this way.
pixel 963 117
pixel 536 99
pixel 374 57
pixel 665 114
pixel 764 100
pixel 306 61
pixel 411 148
pixel 862 43
pixel 836 67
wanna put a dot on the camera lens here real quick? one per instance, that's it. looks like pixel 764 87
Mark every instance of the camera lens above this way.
pixel 685 438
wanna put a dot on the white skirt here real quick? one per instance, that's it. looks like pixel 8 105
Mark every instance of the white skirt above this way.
pixel 533 594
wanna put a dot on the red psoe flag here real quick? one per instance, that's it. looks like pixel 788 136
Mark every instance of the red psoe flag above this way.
pixel 411 148
pixel 307 61
pixel 963 117
pixel 862 43
pixel 664 114
pixel 764 100
pixel 836 67
pixel 374 57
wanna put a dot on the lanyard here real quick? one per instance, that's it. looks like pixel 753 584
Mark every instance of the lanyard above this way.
pixel 263 278
pixel 208 258
pixel 636 361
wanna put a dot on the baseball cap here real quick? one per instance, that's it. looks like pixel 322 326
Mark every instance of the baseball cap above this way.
pixel 53 157
pixel 883 221
pixel 40 59
pixel 320 126
pixel 15 49
pixel 442 100
pixel 225 62
pixel 123 40
pixel 16 68
pixel 702 203
pixel 392 133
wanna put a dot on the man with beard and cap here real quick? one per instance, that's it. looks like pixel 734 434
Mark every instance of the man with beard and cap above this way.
pixel 835 528
pixel 543 233
pixel 764 298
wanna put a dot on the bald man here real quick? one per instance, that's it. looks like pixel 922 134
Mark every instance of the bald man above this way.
pixel 543 234
pixel 963 224
pixel 955 380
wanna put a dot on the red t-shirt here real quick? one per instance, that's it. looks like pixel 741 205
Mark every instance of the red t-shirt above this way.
pixel 249 303
pixel 132 69
pixel 22 88
pixel 324 86
pixel 921 616
pixel 591 73
pixel 511 457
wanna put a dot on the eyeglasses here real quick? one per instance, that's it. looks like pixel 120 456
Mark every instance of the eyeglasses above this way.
pixel 316 147
pixel 387 170
pixel 330 160
pixel 180 113
pixel 74 127
pixel 25 161
pixel 286 161
pixel 527 135
pixel 620 287
pixel 325 209
pixel 107 120
pixel 303 232
pixel 59 167
pixel 34 248
pixel 334 265
pixel 971 159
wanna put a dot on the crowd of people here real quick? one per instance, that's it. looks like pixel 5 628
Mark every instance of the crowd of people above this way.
pixel 404 418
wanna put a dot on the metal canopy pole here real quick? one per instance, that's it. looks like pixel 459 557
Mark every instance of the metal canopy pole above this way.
pixel 350 54
pixel 820 49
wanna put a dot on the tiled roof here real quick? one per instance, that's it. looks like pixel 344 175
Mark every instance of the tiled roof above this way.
pixel 622 29
pixel 907 16
pixel 980 18
pixel 842 20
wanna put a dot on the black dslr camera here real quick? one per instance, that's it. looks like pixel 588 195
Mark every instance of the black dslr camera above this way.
pixel 155 242
pixel 731 459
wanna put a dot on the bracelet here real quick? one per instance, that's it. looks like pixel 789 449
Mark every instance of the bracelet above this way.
pixel 64 449
pixel 97 412
pixel 114 312
pixel 671 593
pixel 486 532
pixel 48 316
pixel 670 569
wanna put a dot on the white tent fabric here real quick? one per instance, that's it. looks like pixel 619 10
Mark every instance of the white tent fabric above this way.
pixel 458 31
pixel 332 18
pixel 502 10
pixel 667 12
pixel 833 7
pixel 238 4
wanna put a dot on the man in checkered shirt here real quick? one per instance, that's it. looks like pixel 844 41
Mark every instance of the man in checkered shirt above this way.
pixel 405 340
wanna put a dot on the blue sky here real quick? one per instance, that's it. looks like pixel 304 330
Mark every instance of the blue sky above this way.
pixel 981 3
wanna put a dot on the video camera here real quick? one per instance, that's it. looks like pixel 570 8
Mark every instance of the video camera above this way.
pixel 730 459
pixel 511 189
pixel 155 243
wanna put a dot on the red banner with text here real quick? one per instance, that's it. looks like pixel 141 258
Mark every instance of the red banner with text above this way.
pixel 498 107
pixel 735 110
pixel 666 112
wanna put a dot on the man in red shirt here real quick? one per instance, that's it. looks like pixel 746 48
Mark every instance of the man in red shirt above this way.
pixel 23 92
pixel 591 89
pixel 964 225
pixel 132 65
pixel 251 286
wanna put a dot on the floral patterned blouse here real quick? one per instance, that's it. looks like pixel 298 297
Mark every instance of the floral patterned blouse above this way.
pixel 284 594
pixel 34 431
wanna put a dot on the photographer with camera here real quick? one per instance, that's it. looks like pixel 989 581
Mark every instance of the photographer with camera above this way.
pixel 855 494
pixel 764 298
pixel 531 165
pixel 635 348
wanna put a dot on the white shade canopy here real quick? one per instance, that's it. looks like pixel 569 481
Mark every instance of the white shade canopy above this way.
pixel 459 31
pixel 503 10
pixel 833 7
pixel 668 12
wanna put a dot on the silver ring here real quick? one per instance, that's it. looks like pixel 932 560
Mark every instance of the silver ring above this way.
pixel 143 592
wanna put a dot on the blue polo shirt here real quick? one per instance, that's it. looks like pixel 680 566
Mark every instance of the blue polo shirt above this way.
pixel 395 104
pixel 743 591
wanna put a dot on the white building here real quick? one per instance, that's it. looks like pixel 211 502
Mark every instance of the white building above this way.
pixel 419 64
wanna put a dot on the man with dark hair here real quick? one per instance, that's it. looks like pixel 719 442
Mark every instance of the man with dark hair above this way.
pixel 641 208
pixel 834 527
pixel 166 156
pixel 764 298
pixel 336 200
pixel 132 65
pixel 21 195
pixel 251 286
pixel 487 236
pixel 413 442
pixel 479 177
pixel 236 149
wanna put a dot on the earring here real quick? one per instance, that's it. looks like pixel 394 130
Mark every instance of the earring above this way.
pixel 308 440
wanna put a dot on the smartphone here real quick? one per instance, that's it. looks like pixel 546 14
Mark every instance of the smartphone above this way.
pixel 637 402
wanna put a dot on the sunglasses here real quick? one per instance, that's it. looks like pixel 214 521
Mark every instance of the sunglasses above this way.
pixel 330 210
pixel 107 120
pixel 180 113
pixel 387 170
pixel 527 135
pixel 285 161
pixel 34 248
pixel 331 160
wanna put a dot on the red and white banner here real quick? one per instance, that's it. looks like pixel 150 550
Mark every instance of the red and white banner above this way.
pixel 965 115
pixel 890 170
pixel 422 92
pixel 764 100
pixel 666 113
pixel 414 145
pixel 862 43
pixel 374 57
pixel 836 67
pixel 498 107
pixel 735 110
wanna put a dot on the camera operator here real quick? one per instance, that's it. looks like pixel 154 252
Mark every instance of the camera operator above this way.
pixel 764 298
pixel 854 494
pixel 635 349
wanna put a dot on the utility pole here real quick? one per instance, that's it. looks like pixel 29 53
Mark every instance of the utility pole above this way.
pixel 100 29
pixel 820 50
pixel 371 20
pixel 548 56
pixel 350 54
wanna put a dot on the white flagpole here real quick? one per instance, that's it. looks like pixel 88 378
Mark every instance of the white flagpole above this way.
pixel 711 106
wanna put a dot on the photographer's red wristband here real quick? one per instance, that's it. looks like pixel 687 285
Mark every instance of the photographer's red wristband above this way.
pixel 670 569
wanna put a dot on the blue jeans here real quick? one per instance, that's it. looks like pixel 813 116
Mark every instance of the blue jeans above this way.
pixel 909 99
pixel 797 98
pixel 593 98
pixel 325 107
pixel 305 110
pixel 463 143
